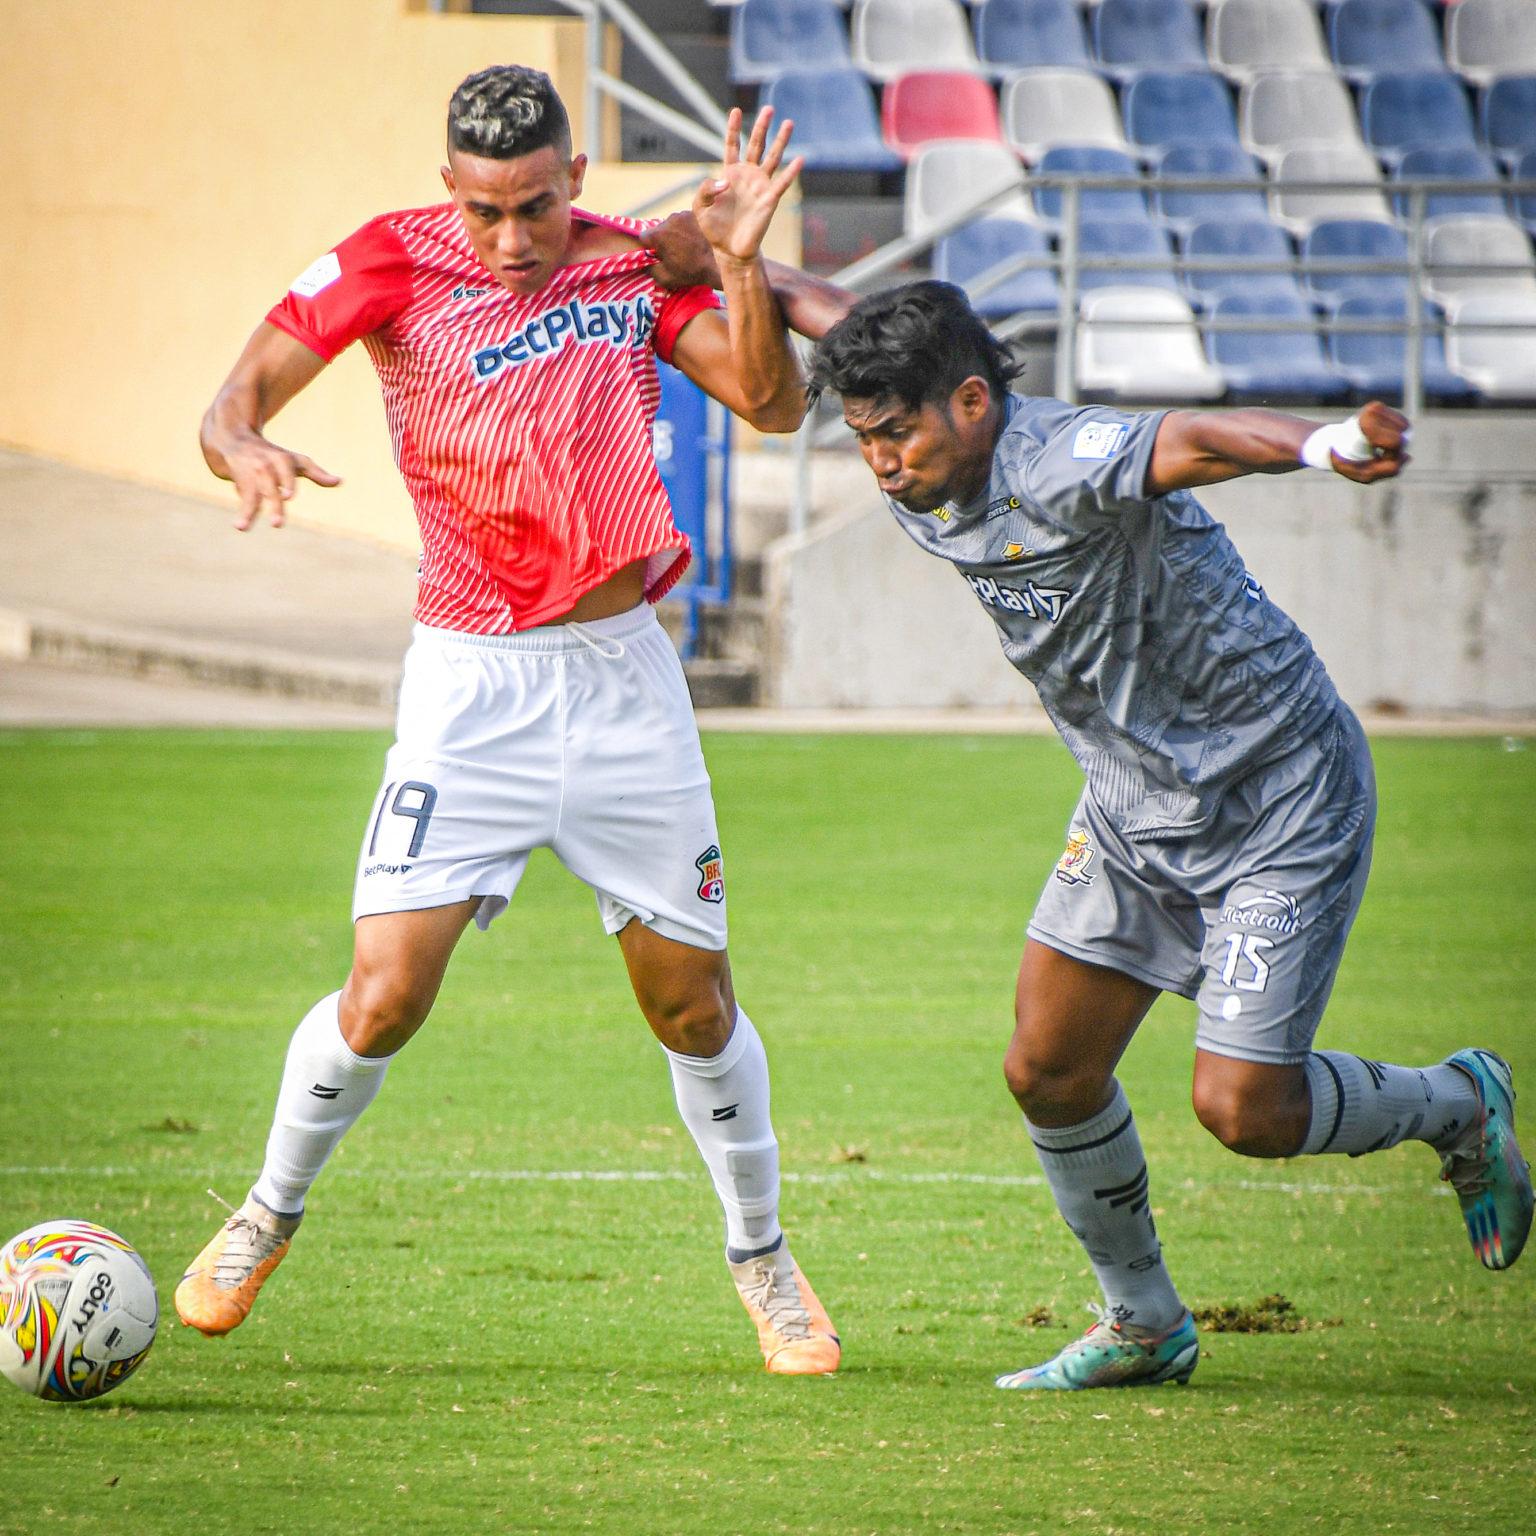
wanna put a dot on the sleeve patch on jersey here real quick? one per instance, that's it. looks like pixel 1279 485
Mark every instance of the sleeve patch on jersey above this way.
pixel 319 274
pixel 1099 440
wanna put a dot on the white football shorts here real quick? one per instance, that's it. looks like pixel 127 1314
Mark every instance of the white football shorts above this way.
pixel 579 738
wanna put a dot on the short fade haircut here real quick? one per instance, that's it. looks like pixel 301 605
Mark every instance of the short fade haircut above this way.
pixel 918 344
pixel 506 111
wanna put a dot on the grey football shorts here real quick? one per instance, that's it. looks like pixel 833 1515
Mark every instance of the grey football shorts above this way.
pixel 1249 916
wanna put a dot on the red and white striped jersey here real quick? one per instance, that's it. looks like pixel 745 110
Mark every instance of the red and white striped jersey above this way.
pixel 522 424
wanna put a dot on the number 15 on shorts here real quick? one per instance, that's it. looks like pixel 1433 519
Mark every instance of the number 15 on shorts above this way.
pixel 1246 969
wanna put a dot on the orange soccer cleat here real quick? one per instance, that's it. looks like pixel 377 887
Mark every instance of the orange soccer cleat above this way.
pixel 219 1288
pixel 793 1328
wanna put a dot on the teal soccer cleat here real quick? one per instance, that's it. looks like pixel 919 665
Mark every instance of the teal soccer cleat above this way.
pixel 1114 1354
pixel 1484 1166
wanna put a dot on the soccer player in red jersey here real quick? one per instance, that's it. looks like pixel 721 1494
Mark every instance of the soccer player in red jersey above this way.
pixel 542 705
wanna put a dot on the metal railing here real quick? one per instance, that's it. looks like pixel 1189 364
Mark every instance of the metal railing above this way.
pixel 1069 262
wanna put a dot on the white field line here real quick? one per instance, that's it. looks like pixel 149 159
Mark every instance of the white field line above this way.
pixel 666 1176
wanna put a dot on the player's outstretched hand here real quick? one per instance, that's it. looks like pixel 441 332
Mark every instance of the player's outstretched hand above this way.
pixel 1387 432
pixel 266 476
pixel 684 258
pixel 735 208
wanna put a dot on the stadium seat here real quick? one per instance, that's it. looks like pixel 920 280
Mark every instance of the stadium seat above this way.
pixel 1498 243
pixel 1288 106
pixel 915 109
pixel 1165 108
pixel 1507 116
pixel 1485 38
pixel 1373 37
pixel 1400 112
pixel 1271 363
pixel 1141 344
pixel 1123 204
pixel 1374 361
pixel 895 37
pixel 1245 38
pixel 1237 242
pixel 1133 35
pixel 946 178
pixel 1298 209
pixel 970 253
pixel 1362 240
pixel 1030 34
pixel 1181 211
pixel 1523 204
pixel 1121 240
pixel 1459 162
pixel 1042 107
pixel 1500 364
pixel 836 125
pixel 770 36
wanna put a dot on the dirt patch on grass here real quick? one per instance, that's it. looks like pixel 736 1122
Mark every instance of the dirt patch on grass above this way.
pixel 1269 1314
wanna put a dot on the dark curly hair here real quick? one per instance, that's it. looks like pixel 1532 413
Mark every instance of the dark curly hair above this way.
pixel 917 343
pixel 506 111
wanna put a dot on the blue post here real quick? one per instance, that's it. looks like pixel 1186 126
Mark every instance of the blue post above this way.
pixel 692 443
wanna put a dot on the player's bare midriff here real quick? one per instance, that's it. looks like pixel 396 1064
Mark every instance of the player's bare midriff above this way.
pixel 622 591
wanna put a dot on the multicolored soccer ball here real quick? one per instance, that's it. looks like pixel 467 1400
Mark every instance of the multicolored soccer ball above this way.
pixel 78 1310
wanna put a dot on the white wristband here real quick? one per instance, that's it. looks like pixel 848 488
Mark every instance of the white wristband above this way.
pixel 1343 438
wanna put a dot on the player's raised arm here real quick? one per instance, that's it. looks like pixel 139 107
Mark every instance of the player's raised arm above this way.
pixel 746 361
pixel 1195 448
pixel 271 370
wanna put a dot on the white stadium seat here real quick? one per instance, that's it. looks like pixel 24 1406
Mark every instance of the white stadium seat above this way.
pixel 1043 108
pixel 1492 242
pixel 1292 106
pixel 897 37
pixel 1485 38
pixel 947 177
pixel 1126 346
pixel 1299 210
pixel 1249 37
pixel 1500 364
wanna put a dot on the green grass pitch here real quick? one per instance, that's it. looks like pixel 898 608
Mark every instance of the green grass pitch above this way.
pixel 461 1342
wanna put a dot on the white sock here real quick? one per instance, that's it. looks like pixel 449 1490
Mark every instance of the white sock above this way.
pixel 1099 1178
pixel 1363 1106
pixel 326 1086
pixel 724 1103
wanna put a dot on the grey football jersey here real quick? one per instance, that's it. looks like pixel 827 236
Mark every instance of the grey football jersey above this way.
pixel 1164 666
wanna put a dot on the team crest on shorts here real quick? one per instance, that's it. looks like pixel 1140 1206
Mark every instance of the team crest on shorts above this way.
pixel 711 875
pixel 1072 867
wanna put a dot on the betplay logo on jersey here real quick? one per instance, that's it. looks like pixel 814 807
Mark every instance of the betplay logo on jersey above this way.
pixel 626 324
pixel 1098 440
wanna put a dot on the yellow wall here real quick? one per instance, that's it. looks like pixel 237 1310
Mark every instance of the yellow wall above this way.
pixel 168 166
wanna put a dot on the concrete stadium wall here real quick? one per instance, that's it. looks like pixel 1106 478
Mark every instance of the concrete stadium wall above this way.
pixel 1419 595
pixel 167 167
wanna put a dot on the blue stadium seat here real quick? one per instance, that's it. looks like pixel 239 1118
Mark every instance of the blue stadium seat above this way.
pixel 1398 112
pixel 1181 211
pixel 1030 34
pixel 770 36
pixel 1133 35
pixel 1523 205
pixel 1272 364
pixel 969 252
pixel 1354 240
pixel 1163 108
pixel 1374 37
pixel 1116 237
pixel 836 125
pixel 1458 162
pixel 1373 361
pixel 1508 116
pixel 1239 241
pixel 1124 204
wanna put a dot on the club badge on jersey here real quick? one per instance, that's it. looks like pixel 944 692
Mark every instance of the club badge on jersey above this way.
pixel 1072 867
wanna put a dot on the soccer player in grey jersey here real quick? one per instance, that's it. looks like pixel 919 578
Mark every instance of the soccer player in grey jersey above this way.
pixel 1221 845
